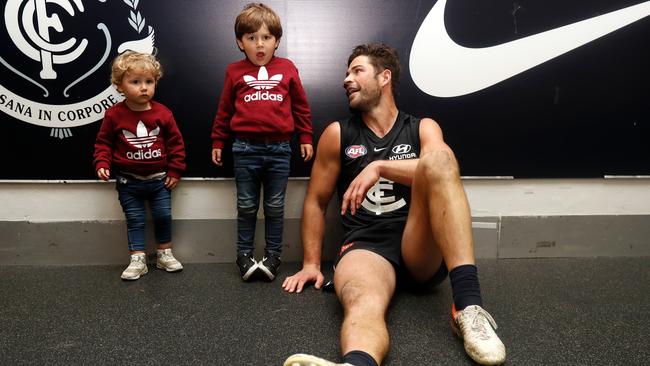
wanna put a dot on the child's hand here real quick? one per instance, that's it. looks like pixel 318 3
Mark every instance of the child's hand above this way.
pixel 103 173
pixel 216 157
pixel 306 151
pixel 171 182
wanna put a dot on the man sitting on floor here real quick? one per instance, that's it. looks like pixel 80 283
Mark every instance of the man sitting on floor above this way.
pixel 405 215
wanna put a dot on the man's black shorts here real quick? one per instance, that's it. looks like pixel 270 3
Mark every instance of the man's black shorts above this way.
pixel 385 239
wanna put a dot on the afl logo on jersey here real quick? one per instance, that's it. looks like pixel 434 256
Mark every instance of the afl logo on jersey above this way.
pixel 355 151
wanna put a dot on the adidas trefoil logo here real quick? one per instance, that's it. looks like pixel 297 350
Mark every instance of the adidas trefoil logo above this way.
pixel 142 138
pixel 263 82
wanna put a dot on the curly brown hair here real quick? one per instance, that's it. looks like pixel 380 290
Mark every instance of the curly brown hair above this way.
pixel 381 57
pixel 130 60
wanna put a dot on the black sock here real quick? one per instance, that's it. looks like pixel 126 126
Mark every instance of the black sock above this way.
pixel 465 286
pixel 359 358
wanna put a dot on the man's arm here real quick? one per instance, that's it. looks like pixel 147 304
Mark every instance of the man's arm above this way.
pixel 400 171
pixel 322 183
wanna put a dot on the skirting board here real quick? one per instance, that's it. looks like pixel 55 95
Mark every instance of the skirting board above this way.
pixel 213 241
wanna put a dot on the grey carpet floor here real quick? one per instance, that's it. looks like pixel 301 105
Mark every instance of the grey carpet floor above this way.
pixel 587 311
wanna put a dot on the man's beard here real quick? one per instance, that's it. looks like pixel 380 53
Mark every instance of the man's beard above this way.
pixel 367 104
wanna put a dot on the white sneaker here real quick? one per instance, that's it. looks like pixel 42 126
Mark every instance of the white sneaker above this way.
pixel 300 359
pixel 476 327
pixel 137 267
pixel 167 261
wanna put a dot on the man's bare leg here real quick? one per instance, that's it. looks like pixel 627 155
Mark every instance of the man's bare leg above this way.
pixel 365 283
pixel 439 224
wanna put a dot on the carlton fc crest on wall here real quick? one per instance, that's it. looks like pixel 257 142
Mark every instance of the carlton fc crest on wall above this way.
pixel 56 58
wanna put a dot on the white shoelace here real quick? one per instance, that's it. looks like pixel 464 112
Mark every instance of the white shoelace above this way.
pixel 135 264
pixel 166 255
pixel 478 322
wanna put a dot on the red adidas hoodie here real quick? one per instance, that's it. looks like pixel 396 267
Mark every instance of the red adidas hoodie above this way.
pixel 264 103
pixel 142 143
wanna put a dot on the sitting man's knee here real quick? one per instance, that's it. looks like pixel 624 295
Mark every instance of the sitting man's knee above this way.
pixel 439 164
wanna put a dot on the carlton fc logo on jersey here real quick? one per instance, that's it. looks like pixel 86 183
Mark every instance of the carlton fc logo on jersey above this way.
pixel 381 199
pixel 56 54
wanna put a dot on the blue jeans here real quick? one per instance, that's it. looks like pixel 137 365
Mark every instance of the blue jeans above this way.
pixel 133 193
pixel 261 164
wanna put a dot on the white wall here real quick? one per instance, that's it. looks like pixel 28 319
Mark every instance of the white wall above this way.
pixel 555 197
pixel 49 201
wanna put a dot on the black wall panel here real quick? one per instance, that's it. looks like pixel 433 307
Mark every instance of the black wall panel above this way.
pixel 584 113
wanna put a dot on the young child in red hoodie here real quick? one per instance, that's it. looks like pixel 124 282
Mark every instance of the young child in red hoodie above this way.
pixel 140 143
pixel 262 104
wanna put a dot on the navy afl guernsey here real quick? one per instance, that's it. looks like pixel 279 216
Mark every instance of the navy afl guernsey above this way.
pixel 386 202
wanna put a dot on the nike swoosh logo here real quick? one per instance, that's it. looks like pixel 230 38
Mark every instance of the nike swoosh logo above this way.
pixel 442 68
pixel 378 150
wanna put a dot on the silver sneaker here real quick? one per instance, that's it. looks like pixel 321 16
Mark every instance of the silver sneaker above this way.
pixel 137 267
pixel 476 327
pixel 166 260
pixel 300 359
